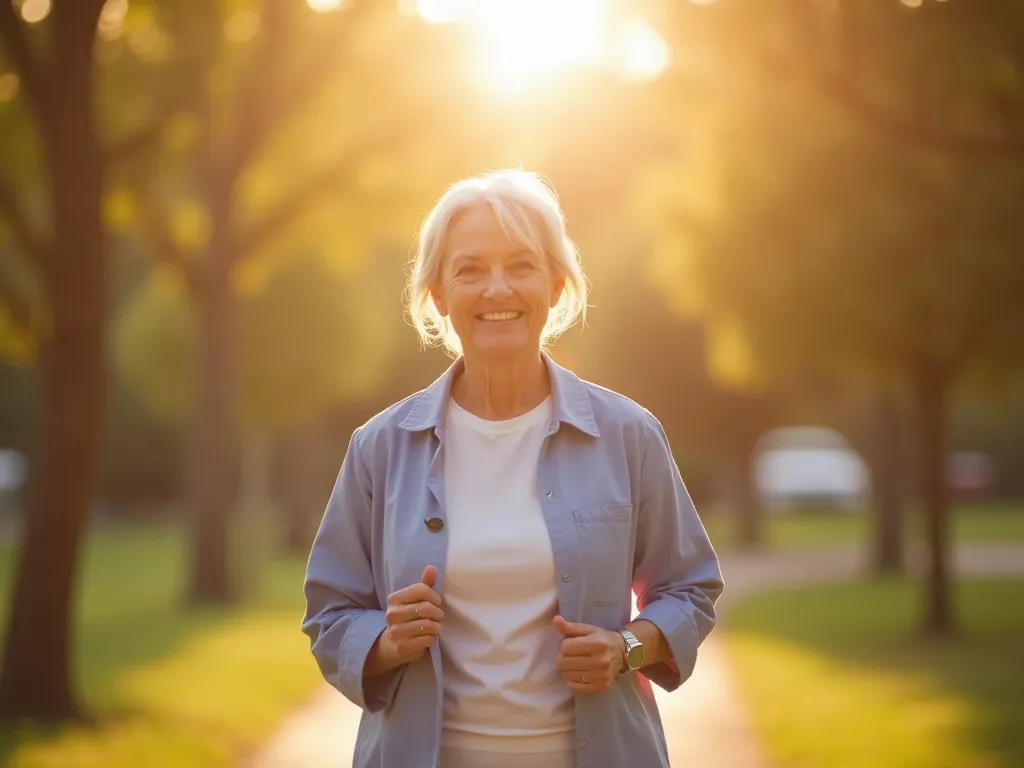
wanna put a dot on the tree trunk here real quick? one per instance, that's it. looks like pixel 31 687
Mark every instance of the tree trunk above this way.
pixel 37 678
pixel 211 475
pixel 255 511
pixel 256 470
pixel 301 506
pixel 931 391
pixel 889 486
pixel 749 517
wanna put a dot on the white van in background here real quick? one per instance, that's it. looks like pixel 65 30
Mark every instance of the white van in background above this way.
pixel 800 467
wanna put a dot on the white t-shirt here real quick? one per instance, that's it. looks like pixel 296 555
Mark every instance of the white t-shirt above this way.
pixel 502 688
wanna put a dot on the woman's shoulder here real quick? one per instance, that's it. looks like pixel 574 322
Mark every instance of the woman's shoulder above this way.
pixel 388 423
pixel 614 409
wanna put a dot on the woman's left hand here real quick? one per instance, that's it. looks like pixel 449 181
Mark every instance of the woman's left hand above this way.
pixel 589 657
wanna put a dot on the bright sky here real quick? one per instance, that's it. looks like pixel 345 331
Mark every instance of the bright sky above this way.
pixel 523 41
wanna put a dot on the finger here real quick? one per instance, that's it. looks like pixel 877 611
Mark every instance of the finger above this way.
pixel 410 629
pixel 576 664
pixel 590 645
pixel 429 576
pixel 415 593
pixel 414 646
pixel 570 629
pixel 400 614
pixel 599 677
pixel 421 642
pixel 421 610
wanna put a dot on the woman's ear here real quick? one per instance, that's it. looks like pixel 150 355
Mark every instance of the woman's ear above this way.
pixel 435 296
pixel 557 286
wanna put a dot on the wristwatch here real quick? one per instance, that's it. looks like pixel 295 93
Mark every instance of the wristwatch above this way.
pixel 634 656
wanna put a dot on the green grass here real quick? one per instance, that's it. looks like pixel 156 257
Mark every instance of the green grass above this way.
pixel 836 677
pixel 170 686
pixel 988 522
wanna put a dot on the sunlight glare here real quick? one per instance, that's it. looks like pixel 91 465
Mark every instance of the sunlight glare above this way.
pixel 642 52
pixel 34 11
pixel 111 21
pixel 242 26
pixel 325 6
pixel 523 40
pixel 438 11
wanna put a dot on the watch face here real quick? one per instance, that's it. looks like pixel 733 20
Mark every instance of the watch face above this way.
pixel 635 657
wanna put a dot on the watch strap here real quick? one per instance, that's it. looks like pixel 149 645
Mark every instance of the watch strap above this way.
pixel 631 643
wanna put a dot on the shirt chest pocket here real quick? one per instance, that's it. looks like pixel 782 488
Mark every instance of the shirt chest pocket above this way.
pixel 606 540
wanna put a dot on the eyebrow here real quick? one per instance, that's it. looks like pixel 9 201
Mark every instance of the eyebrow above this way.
pixel 461 258
pixel 471 256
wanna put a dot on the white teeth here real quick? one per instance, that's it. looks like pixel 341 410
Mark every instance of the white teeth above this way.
pixel 500 315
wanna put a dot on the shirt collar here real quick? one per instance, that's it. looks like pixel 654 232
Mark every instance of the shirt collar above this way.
pixel 571 400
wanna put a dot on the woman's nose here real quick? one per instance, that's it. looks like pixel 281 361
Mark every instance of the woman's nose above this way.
pixel 497 285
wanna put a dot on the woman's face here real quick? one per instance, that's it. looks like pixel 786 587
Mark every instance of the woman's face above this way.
pixel 496 292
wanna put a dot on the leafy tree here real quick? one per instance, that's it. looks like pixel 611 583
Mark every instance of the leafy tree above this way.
pixel 59 237
pixel 304 344
pixel 265 156
pixel 852 239
pixel 93 87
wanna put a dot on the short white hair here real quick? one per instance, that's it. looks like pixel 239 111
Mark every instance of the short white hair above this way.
pixel 528 211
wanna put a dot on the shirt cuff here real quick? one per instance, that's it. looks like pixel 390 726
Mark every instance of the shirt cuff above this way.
pixel 678 629
pixel 378 692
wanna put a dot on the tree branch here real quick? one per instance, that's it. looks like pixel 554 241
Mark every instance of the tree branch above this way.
pixel 918 132
pixel 29 241
pixel 834 77
pixel 260 110
pixel 302 199
pixel 146 136
pixel 253 120
pixel 30 70
pixel 914 129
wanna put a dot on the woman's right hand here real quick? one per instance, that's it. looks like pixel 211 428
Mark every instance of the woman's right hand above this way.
pixel 414 619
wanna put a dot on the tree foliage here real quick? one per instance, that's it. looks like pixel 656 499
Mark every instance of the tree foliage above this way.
pixel 311 337
pixel 839 230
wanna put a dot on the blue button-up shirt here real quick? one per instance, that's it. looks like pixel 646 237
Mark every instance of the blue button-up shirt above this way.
pixel 620 522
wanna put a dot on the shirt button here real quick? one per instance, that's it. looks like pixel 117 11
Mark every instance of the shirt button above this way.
pixel 549 494
pixel 583 742
pixel 566 576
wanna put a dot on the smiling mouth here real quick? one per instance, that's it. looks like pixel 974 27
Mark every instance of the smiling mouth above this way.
pixel 499 317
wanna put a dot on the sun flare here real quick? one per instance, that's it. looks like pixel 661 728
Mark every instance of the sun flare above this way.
pixel 523 42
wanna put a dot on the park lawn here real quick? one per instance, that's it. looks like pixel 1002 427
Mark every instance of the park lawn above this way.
pixel 170 686
pixel 836 678
pixel 988 522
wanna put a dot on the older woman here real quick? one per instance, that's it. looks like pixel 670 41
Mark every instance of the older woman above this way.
pixel 470 585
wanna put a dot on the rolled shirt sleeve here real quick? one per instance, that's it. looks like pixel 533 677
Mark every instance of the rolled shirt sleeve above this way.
pixel 676 574
pixel 343 613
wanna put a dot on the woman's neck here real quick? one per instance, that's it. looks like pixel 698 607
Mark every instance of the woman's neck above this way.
pixel 502 390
